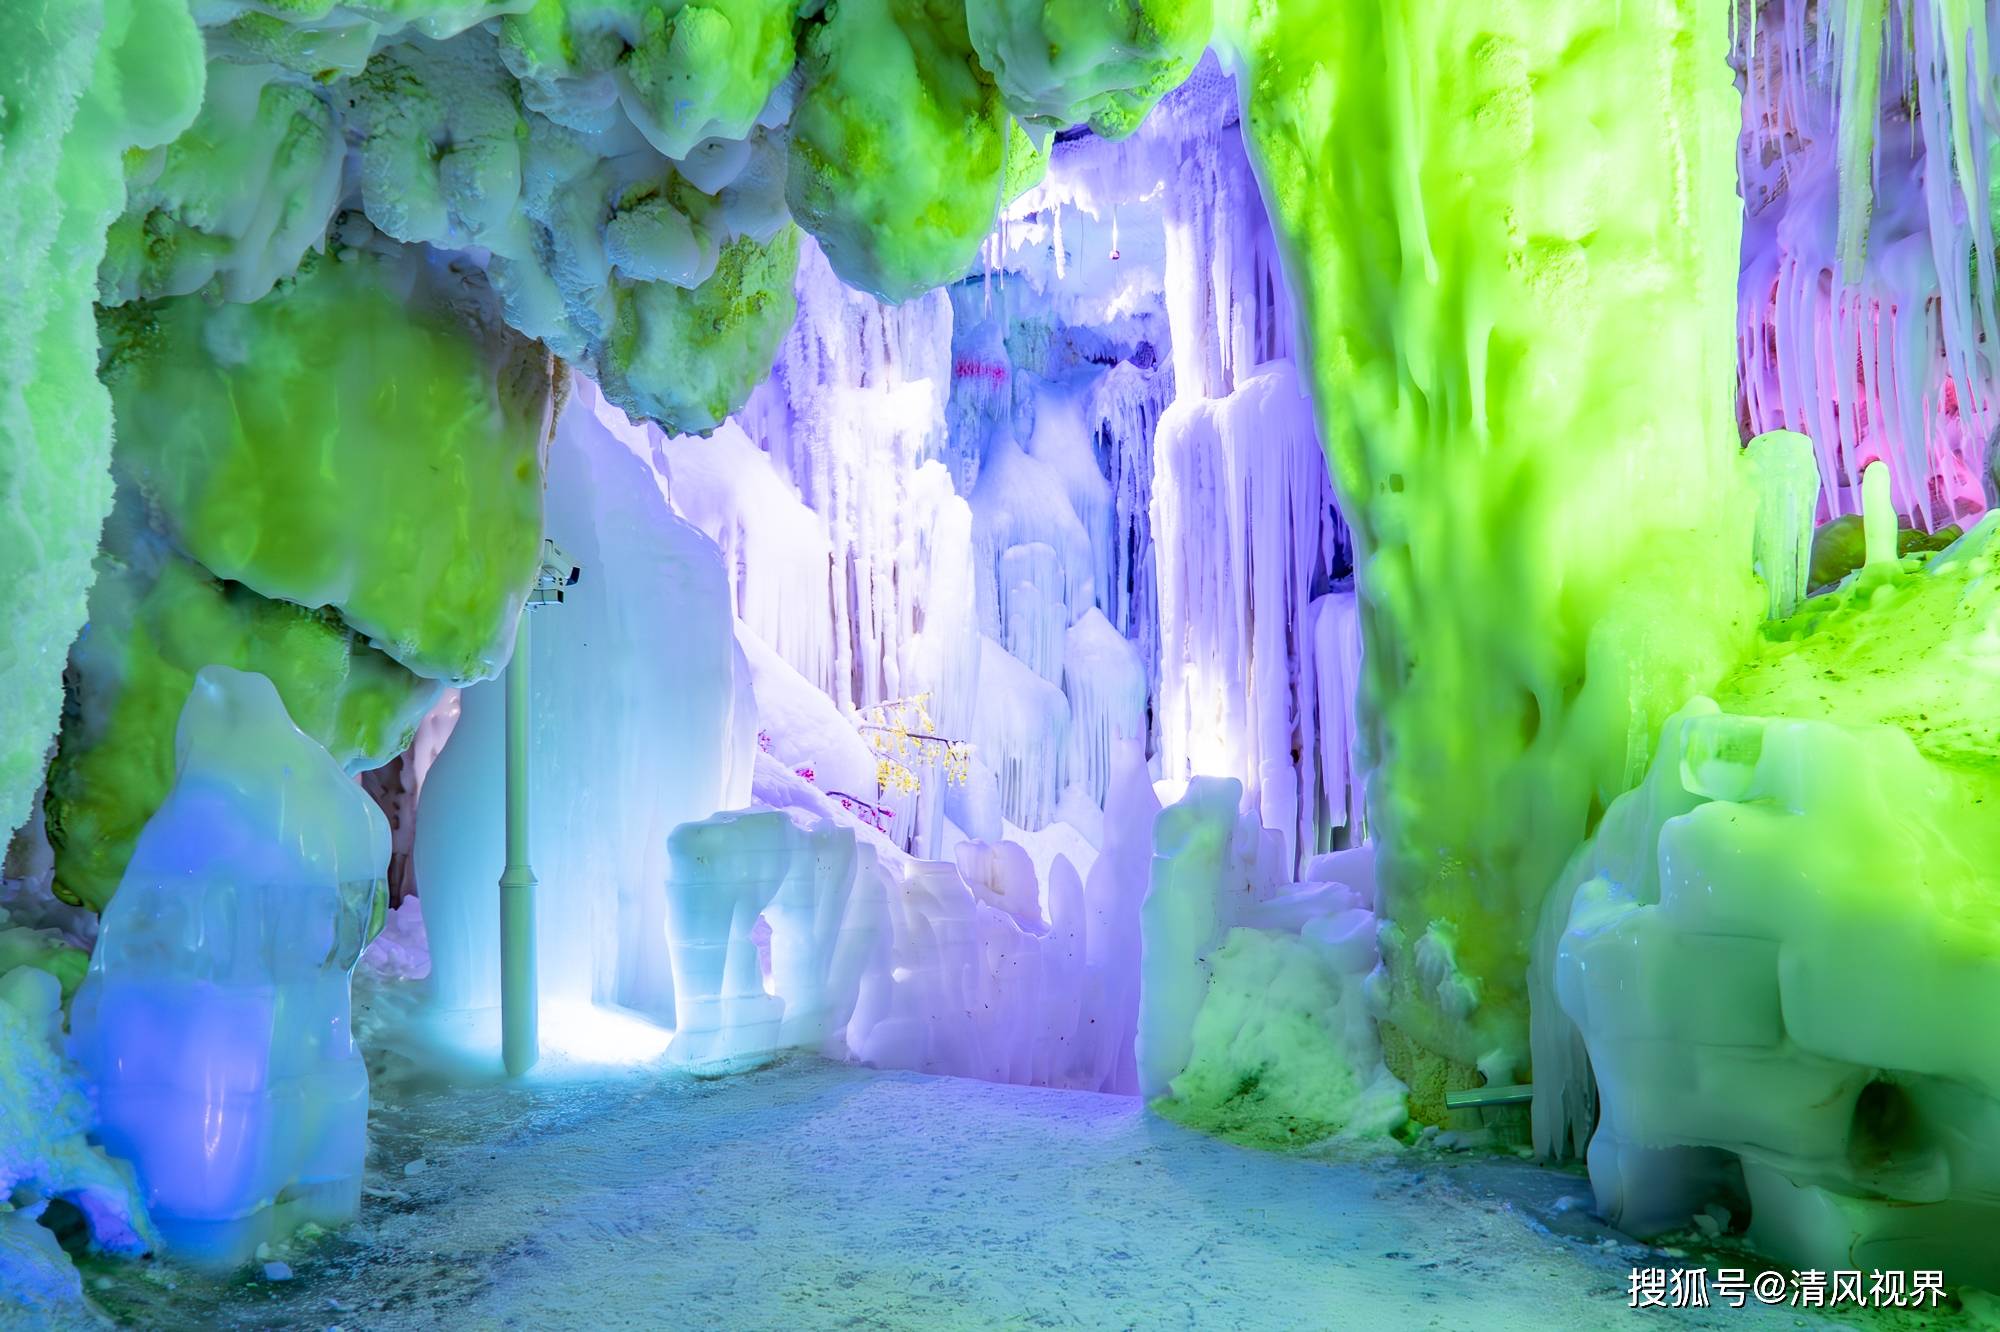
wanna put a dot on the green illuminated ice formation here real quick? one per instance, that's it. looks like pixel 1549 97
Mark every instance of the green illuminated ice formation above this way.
pixel 81 81
pixel 898 144
pixel 350 441
pixel 1064 62
pixel 338 487
pixel 155 620
pixel 1483 222
pixel 681 72
pixel 1770 948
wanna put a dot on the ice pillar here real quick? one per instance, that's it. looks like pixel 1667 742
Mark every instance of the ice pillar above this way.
pixel 1513 242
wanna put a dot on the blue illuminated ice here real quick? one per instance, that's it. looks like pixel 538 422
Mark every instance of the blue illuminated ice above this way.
pixel 214 1020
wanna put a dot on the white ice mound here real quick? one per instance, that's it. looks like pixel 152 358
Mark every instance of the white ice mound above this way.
pixel 214 1020
pixel 44 1115
pixel 731 871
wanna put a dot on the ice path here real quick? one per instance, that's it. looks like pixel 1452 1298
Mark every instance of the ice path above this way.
pixel 814 1195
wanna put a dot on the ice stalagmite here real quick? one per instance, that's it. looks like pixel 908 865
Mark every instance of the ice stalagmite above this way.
pixel 214 1020
pixel 1200 877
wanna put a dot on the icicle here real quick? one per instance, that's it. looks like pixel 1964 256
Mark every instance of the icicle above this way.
pixel 1786 475
pixel 1862 24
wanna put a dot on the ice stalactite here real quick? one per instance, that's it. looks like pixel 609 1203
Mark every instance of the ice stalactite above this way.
pixel 1335 621
pixel 1226 298
pixel 214 1021
pixel 1513 248
pixel 775 550
pixel 1865 309
pixel 637 729
pixel 1242 515
pixel 1032 555
pixel 1123 413
pixel 1021 733
pixel 1135 275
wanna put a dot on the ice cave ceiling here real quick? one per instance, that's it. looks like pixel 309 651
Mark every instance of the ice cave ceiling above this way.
pixel 1327 489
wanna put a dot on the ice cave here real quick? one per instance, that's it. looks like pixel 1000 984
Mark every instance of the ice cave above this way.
pixel 933 664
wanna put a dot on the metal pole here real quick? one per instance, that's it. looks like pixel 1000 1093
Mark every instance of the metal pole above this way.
pixel 519 1038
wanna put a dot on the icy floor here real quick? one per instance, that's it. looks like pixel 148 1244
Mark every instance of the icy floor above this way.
pixel 813 1195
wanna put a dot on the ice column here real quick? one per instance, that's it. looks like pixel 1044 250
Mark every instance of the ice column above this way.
pixel 853 410
pixel 1513 244
pixel 1865 315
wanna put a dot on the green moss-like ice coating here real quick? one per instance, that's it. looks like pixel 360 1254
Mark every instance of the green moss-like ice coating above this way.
pixel 151 630
pixel 683 72
pixel 241 196
pixel 349 442
pixel 688 357
pixel 898 144
pixel 1901 644
pixel 1063 62
pixel 80 82
pixel 1515 244
pixel 1770 947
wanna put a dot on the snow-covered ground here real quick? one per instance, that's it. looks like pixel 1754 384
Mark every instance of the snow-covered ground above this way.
pixel 816 1195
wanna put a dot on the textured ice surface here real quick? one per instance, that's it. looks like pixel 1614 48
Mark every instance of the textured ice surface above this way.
pixel 1544 194
pixel 898 143
pixel 1061 63
pixel 156 619
pixel 45 1114
pixel 369 386
pixel 82 81
pixel 1246 537
pixel 1769 946
pixel 214 1020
